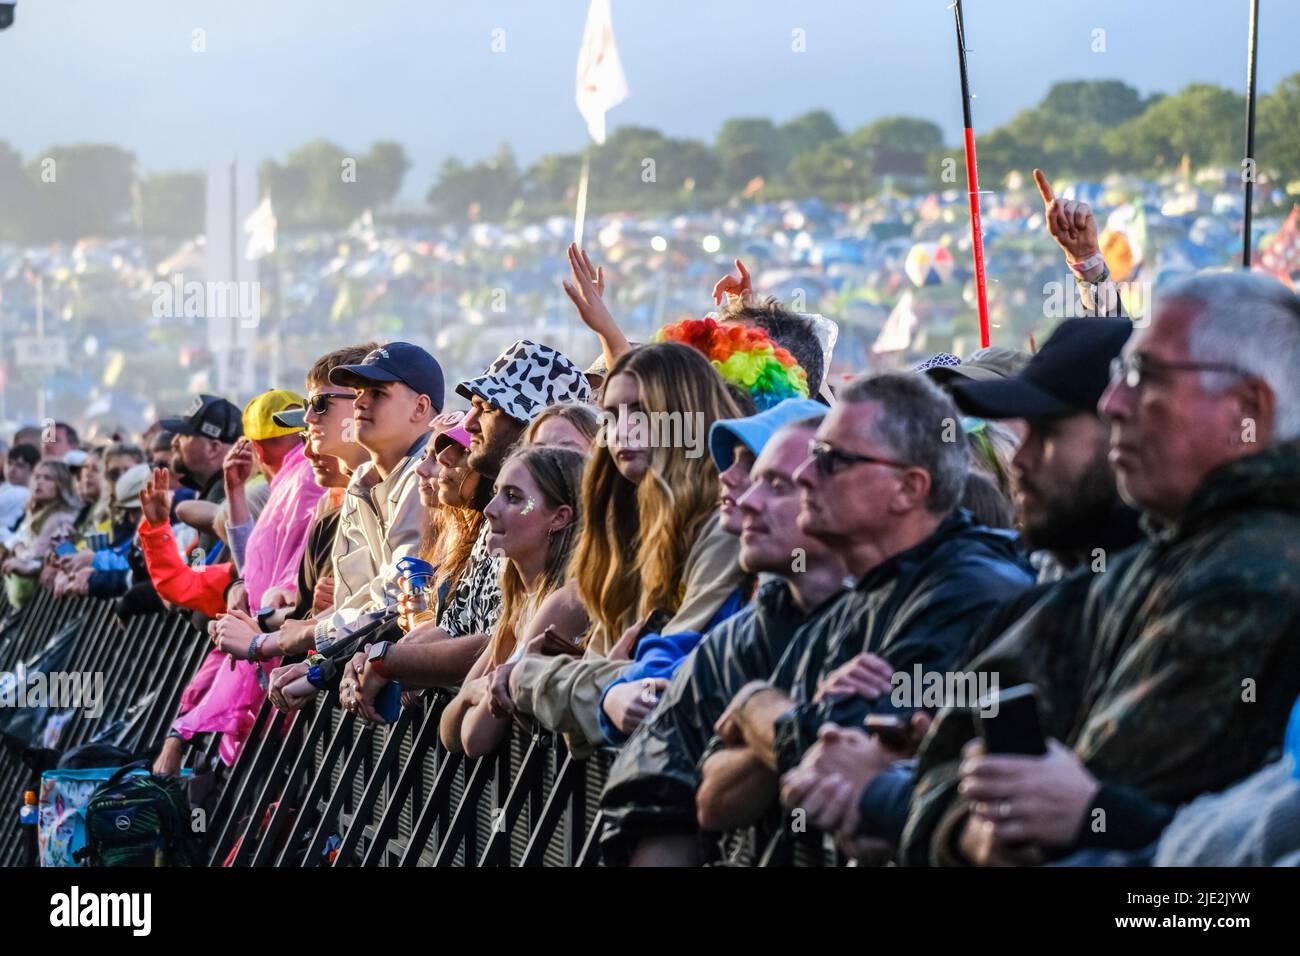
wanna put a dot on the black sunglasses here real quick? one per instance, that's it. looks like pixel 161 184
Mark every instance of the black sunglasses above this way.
pixel 320 402
pixel 830 460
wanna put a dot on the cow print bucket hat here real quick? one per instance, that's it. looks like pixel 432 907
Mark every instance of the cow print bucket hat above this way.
pixel 527 377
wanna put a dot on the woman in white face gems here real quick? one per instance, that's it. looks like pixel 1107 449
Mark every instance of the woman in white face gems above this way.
pixel 534 517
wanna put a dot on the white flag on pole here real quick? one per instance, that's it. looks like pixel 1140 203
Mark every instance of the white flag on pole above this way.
pixel 896 334
pixel 260 228
pixel 601 84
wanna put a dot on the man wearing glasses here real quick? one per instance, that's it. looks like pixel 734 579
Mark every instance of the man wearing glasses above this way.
pixel 1174 675
pixel 880 488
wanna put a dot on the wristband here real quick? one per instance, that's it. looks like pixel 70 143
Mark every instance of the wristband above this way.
pixel 322 675
pixel 1083 265
pixel 253 645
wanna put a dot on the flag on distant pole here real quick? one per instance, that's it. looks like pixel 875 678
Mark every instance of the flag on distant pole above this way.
pixel 260 228
pixel 896 334
pixel 601 86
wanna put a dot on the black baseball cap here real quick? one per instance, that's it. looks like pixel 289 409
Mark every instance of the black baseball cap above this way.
pixel 395 362
pixel 1066 377
pixel 208 417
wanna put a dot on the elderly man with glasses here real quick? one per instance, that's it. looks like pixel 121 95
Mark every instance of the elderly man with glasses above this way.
pixel 880 488
pixel 1173 672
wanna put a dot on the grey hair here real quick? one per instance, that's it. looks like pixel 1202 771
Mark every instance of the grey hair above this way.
pixel 1252 322
pixel 921 426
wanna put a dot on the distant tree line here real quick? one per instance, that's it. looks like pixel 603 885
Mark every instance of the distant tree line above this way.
pixel 1081 128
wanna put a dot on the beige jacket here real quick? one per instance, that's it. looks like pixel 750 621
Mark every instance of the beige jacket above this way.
pixel 563 693
pixel 379 524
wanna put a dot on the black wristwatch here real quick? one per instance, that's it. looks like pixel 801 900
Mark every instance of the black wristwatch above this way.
pixel 375 658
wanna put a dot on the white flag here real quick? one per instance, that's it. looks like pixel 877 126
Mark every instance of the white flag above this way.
pixel 601 84
pixel 260 228
pixel 896 334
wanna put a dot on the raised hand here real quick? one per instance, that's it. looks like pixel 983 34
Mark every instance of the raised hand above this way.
pixel 1070 222
pixel 156 498
pixel 238 466
pixel 587 292
pixel 731 285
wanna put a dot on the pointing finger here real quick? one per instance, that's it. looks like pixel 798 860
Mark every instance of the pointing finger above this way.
pixel 1044 187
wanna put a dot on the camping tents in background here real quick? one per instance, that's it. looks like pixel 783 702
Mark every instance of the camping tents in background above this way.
pixel 928 263
pixel 1124 240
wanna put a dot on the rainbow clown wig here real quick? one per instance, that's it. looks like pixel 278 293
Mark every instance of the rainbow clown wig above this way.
pixel 743 355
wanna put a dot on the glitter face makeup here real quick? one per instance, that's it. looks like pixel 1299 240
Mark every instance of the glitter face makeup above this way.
pixel 529 506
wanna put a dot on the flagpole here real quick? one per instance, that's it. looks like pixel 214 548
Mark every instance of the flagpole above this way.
pixel 972 181
pixel 580 213
pixel 1252 51
pixel 279 317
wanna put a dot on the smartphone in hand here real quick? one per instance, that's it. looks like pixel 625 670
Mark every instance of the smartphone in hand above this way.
pixel 388 702
pixel 893 730
pixel 1008 722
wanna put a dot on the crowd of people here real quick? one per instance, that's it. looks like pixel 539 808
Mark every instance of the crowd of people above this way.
pixel 703 553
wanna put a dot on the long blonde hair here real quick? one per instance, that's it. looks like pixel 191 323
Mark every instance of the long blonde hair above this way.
pixel 635 539
pixel 65 497
pixel 558 475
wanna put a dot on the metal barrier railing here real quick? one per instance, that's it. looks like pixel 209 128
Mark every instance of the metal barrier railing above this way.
pixel 320 787
pixel 142 665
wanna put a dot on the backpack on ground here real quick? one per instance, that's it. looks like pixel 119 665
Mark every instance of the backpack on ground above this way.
pixel 138 820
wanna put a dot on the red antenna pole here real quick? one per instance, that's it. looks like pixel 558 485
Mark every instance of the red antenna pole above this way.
pixel 972 182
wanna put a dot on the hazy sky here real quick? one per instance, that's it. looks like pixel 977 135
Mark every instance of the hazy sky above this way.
pixel 279 72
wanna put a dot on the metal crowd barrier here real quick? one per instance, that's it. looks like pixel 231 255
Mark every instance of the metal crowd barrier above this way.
pixel 321 787
pixel 143 665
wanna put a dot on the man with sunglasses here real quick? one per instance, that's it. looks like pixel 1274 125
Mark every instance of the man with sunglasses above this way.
pixel 1070 515
pixel 1173 672
pixel 880 488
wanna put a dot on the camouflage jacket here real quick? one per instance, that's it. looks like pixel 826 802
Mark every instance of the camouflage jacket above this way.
pixel 1171 672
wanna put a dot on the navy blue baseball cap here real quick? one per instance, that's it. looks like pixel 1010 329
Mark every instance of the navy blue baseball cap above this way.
pixel 395 362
